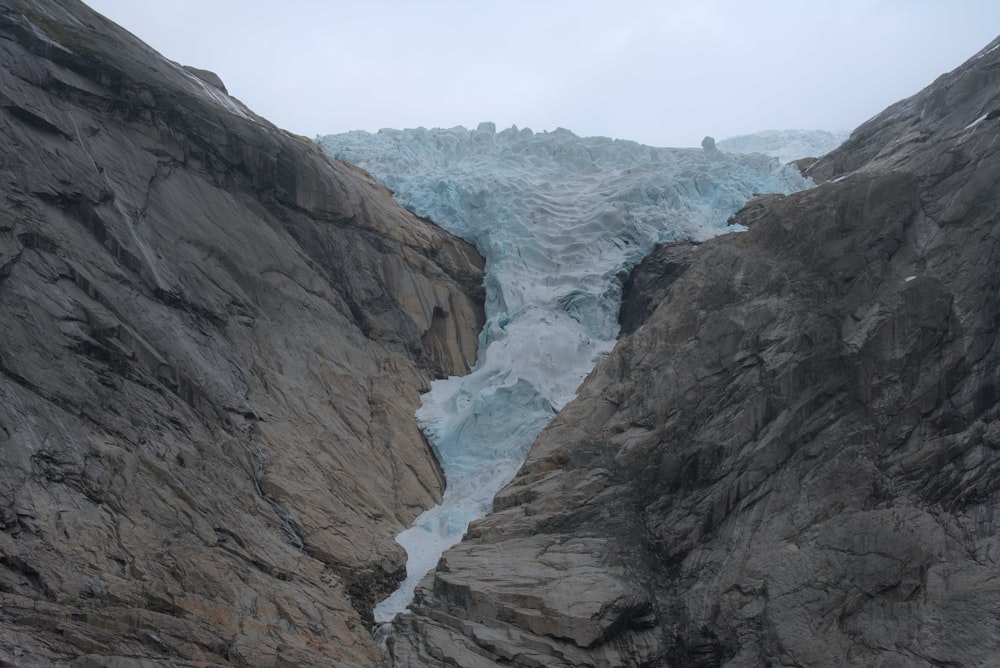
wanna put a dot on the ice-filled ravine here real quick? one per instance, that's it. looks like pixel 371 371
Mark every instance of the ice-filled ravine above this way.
pixel 561 220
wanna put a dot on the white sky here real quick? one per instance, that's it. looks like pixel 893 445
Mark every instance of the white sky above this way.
pixel 664 72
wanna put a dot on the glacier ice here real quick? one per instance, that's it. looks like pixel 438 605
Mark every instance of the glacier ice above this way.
pixel 785 145
pixel 561 220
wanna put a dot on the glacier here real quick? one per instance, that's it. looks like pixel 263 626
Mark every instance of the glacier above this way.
pixel 785 145
pixel 560 220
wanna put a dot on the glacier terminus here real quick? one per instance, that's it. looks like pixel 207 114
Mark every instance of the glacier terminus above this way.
pixel 560 220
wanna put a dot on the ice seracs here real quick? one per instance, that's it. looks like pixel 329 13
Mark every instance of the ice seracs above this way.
pixel 561 220
pixel 785 145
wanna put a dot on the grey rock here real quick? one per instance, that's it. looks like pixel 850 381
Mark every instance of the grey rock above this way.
pixel 212 342
pixel 211 78
pixel 790 458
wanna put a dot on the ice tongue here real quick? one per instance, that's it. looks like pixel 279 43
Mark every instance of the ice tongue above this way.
pixel 560 220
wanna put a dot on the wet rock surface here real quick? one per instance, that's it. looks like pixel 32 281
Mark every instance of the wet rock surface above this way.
pixel 790 457
pixel 212 343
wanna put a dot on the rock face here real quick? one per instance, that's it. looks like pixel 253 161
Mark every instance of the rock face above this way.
pixel 791 457
pixel 212 342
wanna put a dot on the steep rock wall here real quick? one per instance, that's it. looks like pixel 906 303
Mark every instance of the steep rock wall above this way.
pixel 791 455
pixel 212 343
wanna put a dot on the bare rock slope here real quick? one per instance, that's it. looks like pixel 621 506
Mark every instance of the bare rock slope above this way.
pixel 212 342
pixel 791 457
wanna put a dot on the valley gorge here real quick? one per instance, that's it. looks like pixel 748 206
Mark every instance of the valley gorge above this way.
pixel 214 338
pixel 790 457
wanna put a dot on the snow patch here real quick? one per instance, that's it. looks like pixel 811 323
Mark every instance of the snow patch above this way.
pixel 976 122
pixel 987 52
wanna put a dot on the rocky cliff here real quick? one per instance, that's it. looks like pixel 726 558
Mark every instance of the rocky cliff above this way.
pixel 212 343
pixel 791 456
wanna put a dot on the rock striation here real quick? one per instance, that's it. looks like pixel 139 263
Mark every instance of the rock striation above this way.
pixel 791 456
pixel 212 342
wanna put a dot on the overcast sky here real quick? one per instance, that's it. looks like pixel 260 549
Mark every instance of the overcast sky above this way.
pixel 660 72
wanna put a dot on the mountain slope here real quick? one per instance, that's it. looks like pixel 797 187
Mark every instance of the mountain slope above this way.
pixel 212 342
pixel 791 456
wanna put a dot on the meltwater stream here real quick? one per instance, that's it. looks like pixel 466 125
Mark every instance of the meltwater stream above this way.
pixel 560 220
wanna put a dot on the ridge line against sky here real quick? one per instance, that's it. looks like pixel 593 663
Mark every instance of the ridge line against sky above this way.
pixel 663 73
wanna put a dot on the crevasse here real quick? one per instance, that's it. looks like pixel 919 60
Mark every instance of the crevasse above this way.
pixel 560 220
